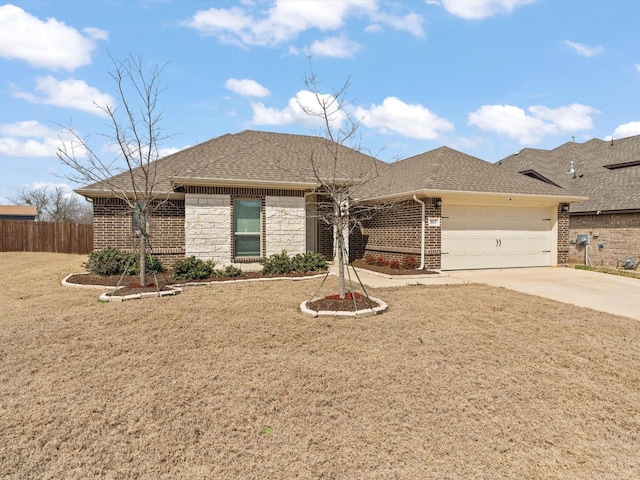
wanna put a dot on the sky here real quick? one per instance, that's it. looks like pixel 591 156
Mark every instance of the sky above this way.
pixel 485 77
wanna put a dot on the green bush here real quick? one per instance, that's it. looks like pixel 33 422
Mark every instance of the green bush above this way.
pixel 281 263
pixel 193 268
pixel 309 262
pixel 231 271
pixel 154 264
pixel 113 261
pixel 278 263
pixel 105 262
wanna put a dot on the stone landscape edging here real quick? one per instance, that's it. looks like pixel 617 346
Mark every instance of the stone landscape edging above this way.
pixel 105 297
pixel 382 306
pixel 417 276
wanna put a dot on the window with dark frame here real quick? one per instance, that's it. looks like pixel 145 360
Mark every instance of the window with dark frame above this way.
pixel 247 228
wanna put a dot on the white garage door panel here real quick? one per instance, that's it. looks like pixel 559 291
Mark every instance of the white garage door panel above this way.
pixel 495 237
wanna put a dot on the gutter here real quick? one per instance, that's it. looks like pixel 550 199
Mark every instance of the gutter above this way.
pixel 422 243
pixel 428 192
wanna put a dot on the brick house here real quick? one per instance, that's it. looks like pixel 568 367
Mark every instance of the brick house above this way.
pixel 608 173
pixel 238 198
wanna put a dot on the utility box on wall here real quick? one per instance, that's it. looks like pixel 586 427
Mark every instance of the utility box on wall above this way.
pixel 582 239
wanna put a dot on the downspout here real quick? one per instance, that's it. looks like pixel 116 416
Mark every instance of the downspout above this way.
pixel 422 245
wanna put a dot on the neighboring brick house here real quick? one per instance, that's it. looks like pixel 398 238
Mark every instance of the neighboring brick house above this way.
pixel 238 198
pixel 608 173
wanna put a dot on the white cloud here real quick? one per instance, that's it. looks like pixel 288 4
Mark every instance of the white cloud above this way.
pixel 408 120
pixel 335 47
pixel 48 44
pixel 285 20
pixel 28 139
pixel 582 49
pixel 393 115
pixel 411 23
pixel 480 9
pixel 515 123
pixel 70 93
pixel 627 130
pixel 303 109
pixel 96 33
pixel 638 67
pixel 51 186
pixel 27 128
pixel 246 88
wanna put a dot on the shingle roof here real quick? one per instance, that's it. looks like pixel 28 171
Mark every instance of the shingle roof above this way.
pixel 449 170
pixel 19 210
pixel 252 156
pixel 607 189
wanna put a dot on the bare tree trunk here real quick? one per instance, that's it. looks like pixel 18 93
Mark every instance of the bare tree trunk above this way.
pixel 342 288
pixel 142 260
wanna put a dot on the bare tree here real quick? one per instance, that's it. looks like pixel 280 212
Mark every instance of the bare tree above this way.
pixel 132 173
pixel 342 187
pixel 57 205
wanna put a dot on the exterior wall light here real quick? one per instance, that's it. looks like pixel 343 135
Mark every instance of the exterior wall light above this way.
pixel 438 202
pixel 565 208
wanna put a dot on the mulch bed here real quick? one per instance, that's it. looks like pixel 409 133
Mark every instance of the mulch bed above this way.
pixel 333 303
pixel 130 284
pixel 388 270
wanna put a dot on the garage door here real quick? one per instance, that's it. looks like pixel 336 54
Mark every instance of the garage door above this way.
pixel 495 237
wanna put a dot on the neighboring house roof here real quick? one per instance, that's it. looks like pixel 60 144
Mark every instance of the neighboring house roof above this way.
pixel 265 159
pixel 447 170
pixel 608 172
pixel 8 211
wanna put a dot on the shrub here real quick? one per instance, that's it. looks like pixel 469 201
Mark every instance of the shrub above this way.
pixel 308 262
pixel 231 271
pixel 409 262
pixel 105 262
pixel 281 263
pixel 394 264
pixel 381 261
pixel 113 261
pixel 193 268
pixel 369 259
pixel 277 263
pixel 154 264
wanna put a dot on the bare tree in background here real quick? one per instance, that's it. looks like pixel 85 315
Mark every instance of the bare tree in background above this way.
pixel 339 202
pixel 131 173
pixel 57 205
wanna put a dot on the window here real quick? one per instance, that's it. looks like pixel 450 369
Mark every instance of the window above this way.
pixel 247 228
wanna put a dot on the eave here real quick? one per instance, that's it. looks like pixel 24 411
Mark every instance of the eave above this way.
pixel 246 183
pixel 461 196
pixel 96 193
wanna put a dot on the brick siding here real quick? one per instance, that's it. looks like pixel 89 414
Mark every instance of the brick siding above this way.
pixel 618 233
pixel 394 233
pixel 563 236
pixel 113 227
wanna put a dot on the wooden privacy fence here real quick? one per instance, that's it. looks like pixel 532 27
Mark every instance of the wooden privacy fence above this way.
pixel 23 236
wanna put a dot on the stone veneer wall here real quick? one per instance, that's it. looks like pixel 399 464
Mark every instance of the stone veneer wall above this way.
pixel 285 221
pixel 395 233
pixel 209 222
pixel 618 233
pixel 113 227
pixel 207 227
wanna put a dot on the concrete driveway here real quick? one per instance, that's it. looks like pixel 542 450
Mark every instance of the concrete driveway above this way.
pixel 599 291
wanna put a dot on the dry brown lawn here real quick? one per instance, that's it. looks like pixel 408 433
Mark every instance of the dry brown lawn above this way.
pixel 231 381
